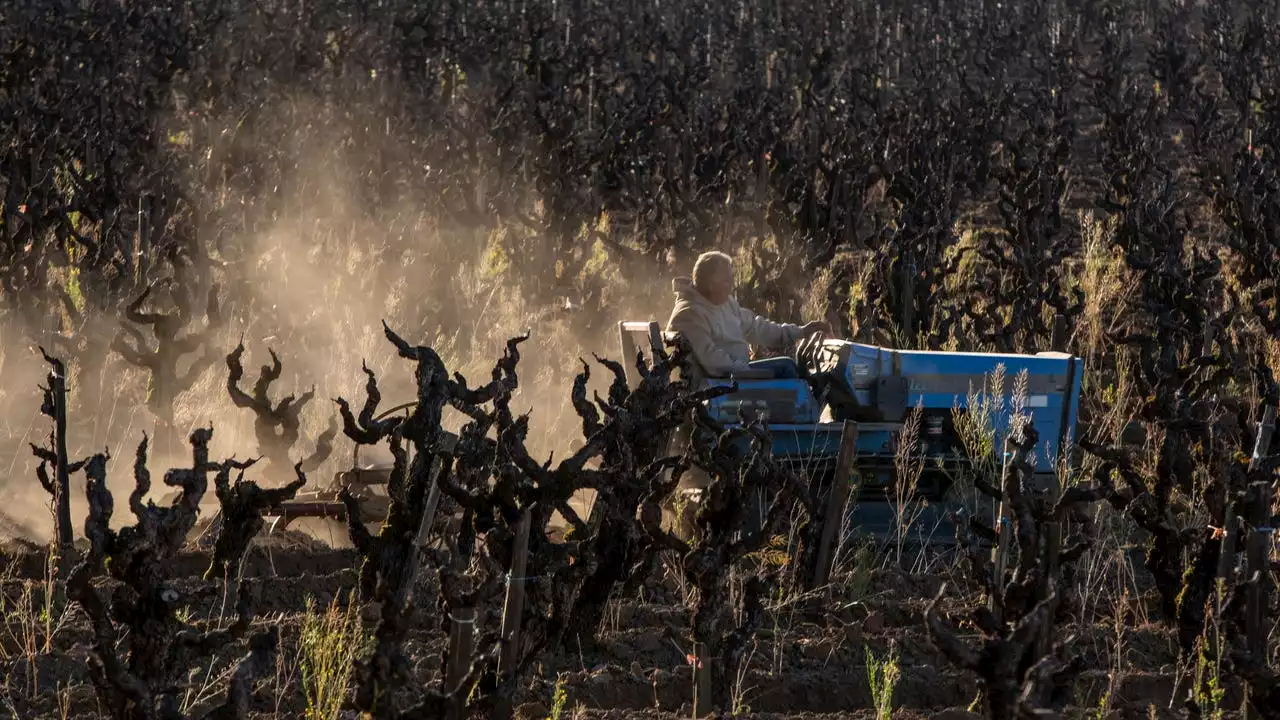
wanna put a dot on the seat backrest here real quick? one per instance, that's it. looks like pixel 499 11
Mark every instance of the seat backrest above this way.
pixel 643 337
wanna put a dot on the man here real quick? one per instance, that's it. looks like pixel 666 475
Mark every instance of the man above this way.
pixel 720 331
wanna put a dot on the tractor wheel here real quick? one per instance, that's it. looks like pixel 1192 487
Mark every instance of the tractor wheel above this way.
pixel 326 530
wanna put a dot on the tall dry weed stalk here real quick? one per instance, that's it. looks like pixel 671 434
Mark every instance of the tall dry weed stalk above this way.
pixel 975 424
pixel 331 641
pixel 1104 281
pixel 909 462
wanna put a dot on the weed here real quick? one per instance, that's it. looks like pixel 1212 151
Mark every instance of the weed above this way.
pixel 559 699
pixel 909 462
pixel 1208 691
pixel 883 675
pixel 330 643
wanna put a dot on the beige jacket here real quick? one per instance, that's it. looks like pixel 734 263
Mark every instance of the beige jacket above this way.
pixel 721 335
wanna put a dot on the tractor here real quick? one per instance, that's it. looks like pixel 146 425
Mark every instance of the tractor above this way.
pixel 932 416
pixel 927 423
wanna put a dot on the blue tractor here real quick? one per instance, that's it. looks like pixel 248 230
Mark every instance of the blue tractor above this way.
pixel 956 408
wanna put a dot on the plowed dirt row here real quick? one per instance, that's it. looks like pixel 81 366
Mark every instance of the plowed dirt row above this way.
pixel 804 664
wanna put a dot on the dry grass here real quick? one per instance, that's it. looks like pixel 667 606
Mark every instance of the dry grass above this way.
pixel 331 641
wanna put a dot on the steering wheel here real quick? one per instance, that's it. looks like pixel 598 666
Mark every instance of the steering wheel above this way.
pixel 355 453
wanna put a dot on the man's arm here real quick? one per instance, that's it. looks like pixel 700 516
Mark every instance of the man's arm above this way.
pixel 714 361
pixel 759 330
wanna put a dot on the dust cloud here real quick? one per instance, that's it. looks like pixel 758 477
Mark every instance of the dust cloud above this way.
pixel 311 267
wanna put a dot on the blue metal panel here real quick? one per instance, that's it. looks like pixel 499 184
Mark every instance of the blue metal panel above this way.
pixel 823 441
pixel 937 381
pixel 820 441
pixel 1053 390
pixel 800 404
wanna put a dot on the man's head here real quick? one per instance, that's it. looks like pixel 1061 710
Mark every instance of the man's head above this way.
pixel 713 277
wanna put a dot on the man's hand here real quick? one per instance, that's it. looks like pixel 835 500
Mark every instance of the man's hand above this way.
pixel 817 326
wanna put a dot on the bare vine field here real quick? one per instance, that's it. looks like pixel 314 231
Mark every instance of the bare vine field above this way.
pixel 246 247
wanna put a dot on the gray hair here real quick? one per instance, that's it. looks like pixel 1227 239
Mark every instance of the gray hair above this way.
pixel 709 263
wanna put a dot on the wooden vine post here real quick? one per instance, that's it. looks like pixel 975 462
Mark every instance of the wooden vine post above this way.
pixel 1257 551
pixel 1052 550
pixel 462 622
pixel 1059 333
pixel 513 610
pixel 448 441
pixel 1258 600
pixel 1231 529
pixel 1259 560
pixel 837 500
